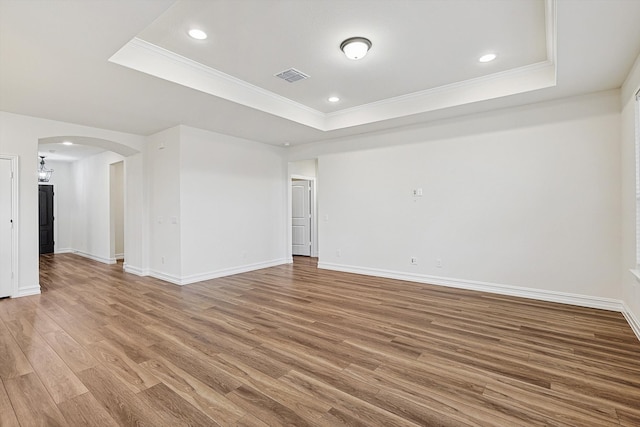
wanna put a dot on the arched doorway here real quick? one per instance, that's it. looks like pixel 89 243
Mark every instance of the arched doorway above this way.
pixel 90 189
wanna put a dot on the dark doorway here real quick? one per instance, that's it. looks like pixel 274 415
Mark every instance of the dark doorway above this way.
pixel 45 207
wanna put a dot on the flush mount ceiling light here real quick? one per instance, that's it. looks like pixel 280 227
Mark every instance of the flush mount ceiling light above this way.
pixel 487 58
pixel 67 143
pixel 44 174
pixel 197 34
pixel 333 99
pixel 355 47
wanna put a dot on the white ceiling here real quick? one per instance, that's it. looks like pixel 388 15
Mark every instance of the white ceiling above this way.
pixel 54 61
pixel 408 53
pixel 56 151
pixel 69 148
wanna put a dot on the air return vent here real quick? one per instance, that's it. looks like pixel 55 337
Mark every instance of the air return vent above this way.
pixel 292 75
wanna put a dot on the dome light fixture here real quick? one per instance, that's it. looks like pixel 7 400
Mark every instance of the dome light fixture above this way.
pixel 355 47
pixel 333 99
pixel 197 34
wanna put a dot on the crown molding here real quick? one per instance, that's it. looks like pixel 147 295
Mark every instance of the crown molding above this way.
pixel 148 58
pixel 510 82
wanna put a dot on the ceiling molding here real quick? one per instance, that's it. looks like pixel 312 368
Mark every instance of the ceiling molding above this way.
pixel 148 58
pixel 151 59
pixel 510 82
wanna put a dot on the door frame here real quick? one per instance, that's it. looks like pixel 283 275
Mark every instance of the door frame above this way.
pixel 314 215
pixel 13 159
pixel 112 232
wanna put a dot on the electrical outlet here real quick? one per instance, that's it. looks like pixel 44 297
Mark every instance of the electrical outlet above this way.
pixel 162 260
pixel 439 262
pixel 414 260
pixel 338 253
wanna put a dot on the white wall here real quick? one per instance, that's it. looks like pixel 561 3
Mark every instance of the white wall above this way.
pixel 526 197
pixel 630 284
pixel 136 223
pixel 91 212
pixel 163 182
pixel 306 168
pixel 61 179
pixel 19 136
pixel 233 204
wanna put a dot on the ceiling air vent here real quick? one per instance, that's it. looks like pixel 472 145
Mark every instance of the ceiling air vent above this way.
pixel 292 75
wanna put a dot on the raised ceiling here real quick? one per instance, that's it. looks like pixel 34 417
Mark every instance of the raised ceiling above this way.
pixel 130 66
pixel 424 55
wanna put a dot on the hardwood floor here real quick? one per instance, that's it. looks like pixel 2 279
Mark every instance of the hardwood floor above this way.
pixel 293 345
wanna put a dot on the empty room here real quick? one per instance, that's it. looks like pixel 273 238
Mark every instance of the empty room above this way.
pixel 319 212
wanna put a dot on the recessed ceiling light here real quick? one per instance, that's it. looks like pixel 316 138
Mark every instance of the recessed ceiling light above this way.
pixel 487 58
pixel 197 34
pixel 286 144
pixel 333 99
pixel 355 47
pixel 67 143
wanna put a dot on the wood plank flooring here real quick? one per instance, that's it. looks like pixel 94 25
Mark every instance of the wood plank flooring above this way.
pixel 293 345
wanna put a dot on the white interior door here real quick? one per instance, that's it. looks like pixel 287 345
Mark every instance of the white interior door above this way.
pixel 300 218
pixel 6 255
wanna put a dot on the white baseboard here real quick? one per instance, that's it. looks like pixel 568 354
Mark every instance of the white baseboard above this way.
pixel 517 291
pixel 64 251
pixel 95 257
pixel 25 292
pixel 166 277
pixel 119 256
pixel 634 322
pixel 233 270
pixel 128 268
pixel 186 280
